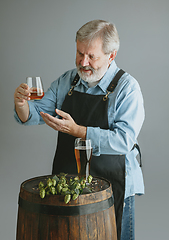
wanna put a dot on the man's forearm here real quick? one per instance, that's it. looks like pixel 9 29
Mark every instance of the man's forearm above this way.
pixel 23 112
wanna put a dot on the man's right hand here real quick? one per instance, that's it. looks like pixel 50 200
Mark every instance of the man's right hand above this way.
pixel 21 96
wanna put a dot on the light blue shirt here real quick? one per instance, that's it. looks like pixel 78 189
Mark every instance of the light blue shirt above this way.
pixel 125 118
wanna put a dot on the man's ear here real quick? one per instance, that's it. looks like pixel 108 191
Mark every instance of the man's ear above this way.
pixel 112 56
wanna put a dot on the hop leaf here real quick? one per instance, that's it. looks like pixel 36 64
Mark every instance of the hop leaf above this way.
pixel 56 178
pixel 77 191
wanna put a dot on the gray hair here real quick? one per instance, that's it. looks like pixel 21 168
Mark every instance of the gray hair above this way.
pixel 104 30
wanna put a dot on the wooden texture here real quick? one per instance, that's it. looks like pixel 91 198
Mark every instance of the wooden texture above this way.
pixel 100 225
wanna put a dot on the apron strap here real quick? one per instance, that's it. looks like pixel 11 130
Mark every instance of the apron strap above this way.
pixel 139 151
pixel 75 80
pixel 115 80
pixel 73 84
pixel 113 83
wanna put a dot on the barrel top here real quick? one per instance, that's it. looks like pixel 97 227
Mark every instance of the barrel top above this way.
pixel 101 190
pixel 31 185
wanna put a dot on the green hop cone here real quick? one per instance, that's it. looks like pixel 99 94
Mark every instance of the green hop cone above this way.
pixel 75 196
pixel 63 180
pixel 83 186
pixel 89 179
pixel 41 185
pixel 52 190
pixel 49 182
pixel 67 198
pixel 72 191
pixel 54 182
pixel 78 186
pixel 65 185
pixel 65 189
pixel 42 193
pixel 59 188
pixel 83 181
pixel 71 180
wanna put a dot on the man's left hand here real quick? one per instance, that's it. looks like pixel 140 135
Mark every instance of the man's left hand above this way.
pixel 65 125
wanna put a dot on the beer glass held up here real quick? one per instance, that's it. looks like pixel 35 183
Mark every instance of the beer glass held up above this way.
pixel 83 154
pixel 36 87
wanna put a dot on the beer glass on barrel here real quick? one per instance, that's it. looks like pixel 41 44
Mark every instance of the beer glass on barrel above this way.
pixel 36 87
pixel 83 154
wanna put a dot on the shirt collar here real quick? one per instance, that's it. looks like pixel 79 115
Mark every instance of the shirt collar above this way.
pixel 107 78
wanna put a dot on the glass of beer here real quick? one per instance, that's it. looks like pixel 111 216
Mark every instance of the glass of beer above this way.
pixel 36 87
pixel 83 154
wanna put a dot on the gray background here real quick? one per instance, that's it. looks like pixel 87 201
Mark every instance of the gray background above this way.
pixel 37 39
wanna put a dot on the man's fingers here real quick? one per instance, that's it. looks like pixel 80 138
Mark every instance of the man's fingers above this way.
pixel 55 123
pixel 24 85
pixel 62 114
pixel 50 119
pixel 24 89
pixel 46 116
pixel 22 92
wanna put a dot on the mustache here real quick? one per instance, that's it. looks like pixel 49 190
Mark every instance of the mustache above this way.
pixel 86 68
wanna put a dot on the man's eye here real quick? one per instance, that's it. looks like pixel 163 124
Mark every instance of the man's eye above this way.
pixel 81 54
pixel 92 57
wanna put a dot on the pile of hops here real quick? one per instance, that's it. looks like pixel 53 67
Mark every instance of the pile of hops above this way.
pixel 60 185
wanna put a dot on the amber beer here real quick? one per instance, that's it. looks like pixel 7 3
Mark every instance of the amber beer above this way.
pixel 83 156
pixel 35 95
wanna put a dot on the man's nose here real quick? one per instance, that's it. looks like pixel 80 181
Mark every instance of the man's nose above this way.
pixel 85 61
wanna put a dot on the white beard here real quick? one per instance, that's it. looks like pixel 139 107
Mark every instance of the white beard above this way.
pixel 96 75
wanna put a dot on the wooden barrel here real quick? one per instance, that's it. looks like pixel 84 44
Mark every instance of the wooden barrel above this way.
pixel 90 216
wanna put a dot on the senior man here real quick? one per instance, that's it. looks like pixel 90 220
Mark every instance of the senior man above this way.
pixel 96 101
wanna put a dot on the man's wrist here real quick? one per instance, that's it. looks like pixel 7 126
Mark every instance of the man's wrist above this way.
pixel 22 111
pixel 81 132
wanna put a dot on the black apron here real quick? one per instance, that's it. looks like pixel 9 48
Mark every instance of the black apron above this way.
pixel 91 110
